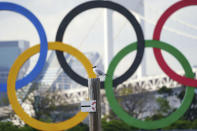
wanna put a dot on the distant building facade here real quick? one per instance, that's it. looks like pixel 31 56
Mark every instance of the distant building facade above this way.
pixel 9 51
pixel 54 76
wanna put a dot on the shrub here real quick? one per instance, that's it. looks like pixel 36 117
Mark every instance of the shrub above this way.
pixel 164 89
pixel 80 127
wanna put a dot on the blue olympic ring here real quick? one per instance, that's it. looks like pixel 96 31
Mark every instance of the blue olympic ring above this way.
pixel 43 44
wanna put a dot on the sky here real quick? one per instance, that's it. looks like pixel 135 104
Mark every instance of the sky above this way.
pixel 86 32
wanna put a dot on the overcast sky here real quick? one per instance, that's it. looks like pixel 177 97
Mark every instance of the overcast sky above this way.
pixel 86 31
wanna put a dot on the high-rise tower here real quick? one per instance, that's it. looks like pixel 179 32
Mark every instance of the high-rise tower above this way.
pixel 137 8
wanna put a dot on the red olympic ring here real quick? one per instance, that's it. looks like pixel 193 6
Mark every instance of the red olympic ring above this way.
pixel 157 52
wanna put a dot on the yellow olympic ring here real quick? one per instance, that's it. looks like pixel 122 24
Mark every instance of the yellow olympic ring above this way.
pixel 80 116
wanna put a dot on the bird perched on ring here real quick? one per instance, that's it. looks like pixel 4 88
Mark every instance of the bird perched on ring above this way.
pixel 98 71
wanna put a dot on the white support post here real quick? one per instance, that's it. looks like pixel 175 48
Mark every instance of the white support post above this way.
pixel 108 37
pixel 141 72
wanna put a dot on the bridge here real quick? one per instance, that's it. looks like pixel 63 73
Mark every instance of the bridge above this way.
pixel 150 83
pixel 153 83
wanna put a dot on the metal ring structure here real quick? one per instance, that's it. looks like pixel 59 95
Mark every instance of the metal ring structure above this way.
pixel 142 124
pixel 43 44
pixel 109 82
pixel 157 52
pixel 100 4
pixel 79 117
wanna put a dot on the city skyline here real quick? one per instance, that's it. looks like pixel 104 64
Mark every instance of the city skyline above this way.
pixel 86 30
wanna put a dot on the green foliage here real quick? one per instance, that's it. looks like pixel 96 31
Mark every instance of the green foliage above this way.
pixel 180 124
pixel 27 128
pixel 116 125
pixel 194 124
pixel 154 117
pixel 164 105
pixel 164 89
pixel 46 118
pixel 181 95
pixel 125 91
pixel 80 127
pixel 8 126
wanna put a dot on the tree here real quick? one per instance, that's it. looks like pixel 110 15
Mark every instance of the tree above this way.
pixel 164 106
pixel 80 127
pixel 164 89
pixel 135 104
pixel 191 113
pixel 116 125
pixel 8 126
pixel 48 105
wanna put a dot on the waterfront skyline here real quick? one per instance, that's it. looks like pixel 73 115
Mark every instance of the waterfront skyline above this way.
pixel 87 29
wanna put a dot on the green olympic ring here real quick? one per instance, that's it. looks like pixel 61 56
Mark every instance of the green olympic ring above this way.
pixel 115 106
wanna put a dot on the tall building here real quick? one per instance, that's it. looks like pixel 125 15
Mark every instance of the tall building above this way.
pixel 9 51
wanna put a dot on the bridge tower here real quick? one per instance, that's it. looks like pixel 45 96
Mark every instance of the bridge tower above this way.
pixel 134 6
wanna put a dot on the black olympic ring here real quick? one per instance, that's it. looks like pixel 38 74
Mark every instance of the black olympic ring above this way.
pixel 103 4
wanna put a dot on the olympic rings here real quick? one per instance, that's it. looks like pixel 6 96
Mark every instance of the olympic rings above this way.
pixel 12 91
pixel 43 40
pixel 109 82
pixel 105 4
pixel 148 124
pixel 157 52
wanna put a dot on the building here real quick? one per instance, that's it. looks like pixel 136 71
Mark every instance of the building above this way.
pixel 9 51
pixel 54 76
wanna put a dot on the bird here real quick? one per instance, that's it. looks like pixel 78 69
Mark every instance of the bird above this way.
pixel 98 72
